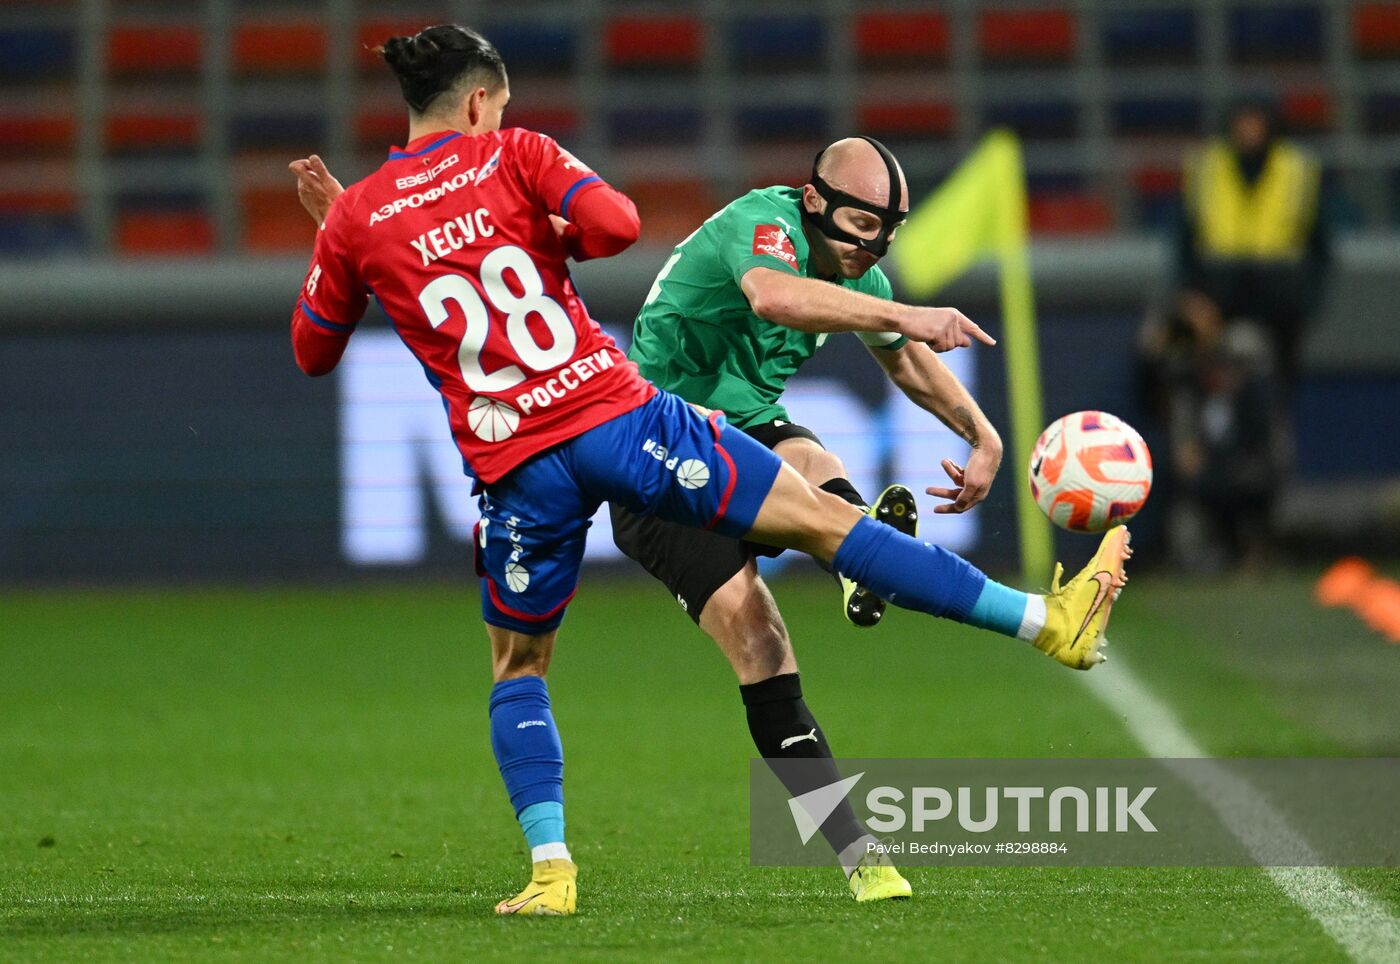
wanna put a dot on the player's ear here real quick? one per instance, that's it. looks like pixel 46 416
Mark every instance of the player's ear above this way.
pixel 476 106
pixel 811 200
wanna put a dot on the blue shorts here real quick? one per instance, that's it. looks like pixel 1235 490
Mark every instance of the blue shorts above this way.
pixel 663 458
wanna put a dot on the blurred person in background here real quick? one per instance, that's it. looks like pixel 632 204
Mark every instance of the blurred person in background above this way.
pixel 1252 257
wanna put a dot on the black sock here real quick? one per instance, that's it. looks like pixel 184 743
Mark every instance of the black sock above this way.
pixel 842 489
pixel 777 715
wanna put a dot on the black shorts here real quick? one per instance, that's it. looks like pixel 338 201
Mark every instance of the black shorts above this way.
pixel 694 563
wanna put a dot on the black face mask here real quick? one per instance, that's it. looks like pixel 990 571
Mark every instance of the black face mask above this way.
pixel 890 217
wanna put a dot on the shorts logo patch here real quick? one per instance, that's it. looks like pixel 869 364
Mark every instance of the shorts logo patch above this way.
pixel 693 474
pixel 773 241
pixel 517 577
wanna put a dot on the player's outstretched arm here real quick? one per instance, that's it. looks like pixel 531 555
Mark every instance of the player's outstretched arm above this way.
pixel 809 304
pixel 921 375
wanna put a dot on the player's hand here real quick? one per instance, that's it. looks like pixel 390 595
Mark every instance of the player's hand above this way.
pixel 561 227
pixel 971 483
pixel 317 189
pixel 943 329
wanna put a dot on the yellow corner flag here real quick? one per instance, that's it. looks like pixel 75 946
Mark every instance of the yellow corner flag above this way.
pixel 979 212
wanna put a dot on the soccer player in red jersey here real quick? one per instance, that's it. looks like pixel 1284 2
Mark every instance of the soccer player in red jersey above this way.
pixel 463 236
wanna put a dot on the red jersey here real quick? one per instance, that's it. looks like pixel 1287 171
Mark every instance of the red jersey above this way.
pixel 452 236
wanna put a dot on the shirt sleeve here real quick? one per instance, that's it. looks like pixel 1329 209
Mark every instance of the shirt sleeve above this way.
pixel 332 300
pixel 878 285
pixel 555 175
pixel 755 238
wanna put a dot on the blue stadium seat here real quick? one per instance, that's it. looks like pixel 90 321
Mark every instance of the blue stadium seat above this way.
pixel 774 41
pixel 1263 34
pixel 783 123
pixel 1036 119
pixel 656 125
pixel 25 235
pixel 1149 116
pixel 536 46
pixel 254 131
pixel 1381 113
pixel 1156 36
pixel 30 54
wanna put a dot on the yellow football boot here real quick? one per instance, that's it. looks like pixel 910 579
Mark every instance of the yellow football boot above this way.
pixel 1076 614
pixel 552 891
pixel 895 507
pixel 876 879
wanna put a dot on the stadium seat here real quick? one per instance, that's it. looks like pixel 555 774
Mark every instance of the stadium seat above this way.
pixel 1056 119
pixel 1276 33
pixel 1069 214
pixel 37 53
pixel 154 49
pixel 672 43
pixel 671 208
pixel 537 47
pixel 633 126
pixel 1149 36
pixel 1156 116
pixel 284 131
pixel 1375 29
pixel 272 223
pixel 1308 111
pixel 279 47
pixel 36 134
pixel 766 43
pixel 926 118
pixel 164 232
pixel 133 132
pixel 901 38
pixel 1026 36
pixel 783 123
pixel 1381 113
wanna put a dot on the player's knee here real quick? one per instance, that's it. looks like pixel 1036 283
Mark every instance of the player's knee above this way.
pixel 744 621
pixel 826 465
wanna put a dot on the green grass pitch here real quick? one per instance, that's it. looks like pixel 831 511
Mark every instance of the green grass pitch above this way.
pixel 305 775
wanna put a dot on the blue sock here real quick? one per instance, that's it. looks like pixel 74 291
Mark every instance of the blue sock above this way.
pixel 908 572
pixel 531 760
pixel 999 608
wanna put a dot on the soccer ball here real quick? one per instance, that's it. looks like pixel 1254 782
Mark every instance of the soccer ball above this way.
pixel 1090 471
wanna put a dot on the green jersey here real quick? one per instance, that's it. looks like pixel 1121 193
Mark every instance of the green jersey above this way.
pixel 696 335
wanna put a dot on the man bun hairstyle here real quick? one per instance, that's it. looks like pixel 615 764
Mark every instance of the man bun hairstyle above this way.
pixel 438 59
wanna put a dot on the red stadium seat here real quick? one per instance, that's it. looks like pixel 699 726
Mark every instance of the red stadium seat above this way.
pixel 1308 111
pixel 1069 214
pixel 271 224
pixel 141 131
pixel 928 118
pixel 1157 181
pixel 1375 29
pixel 671 209
pixel 164 233
pixel 29 134
pixel 381 128
pixel 902 36
pixel 283 47
pixel 653 42
pixel 1036 36
pixel 154 50
pixel 38 202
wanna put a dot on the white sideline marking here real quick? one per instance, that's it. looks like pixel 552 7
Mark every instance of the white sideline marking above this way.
pixel 1362 925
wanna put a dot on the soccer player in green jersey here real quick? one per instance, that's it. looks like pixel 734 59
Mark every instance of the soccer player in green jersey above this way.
pixel 738 307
